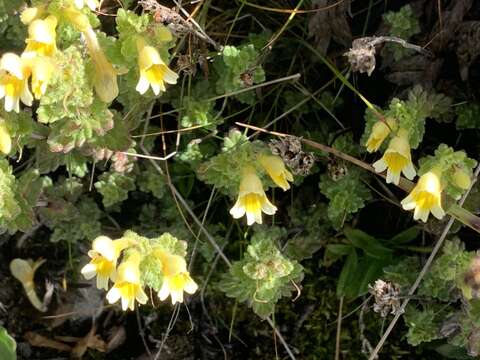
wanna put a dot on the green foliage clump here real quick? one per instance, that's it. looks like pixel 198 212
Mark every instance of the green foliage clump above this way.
pixel 224 170
pixel 151 266
pixel 347 195
pixel 263 276
pixel 17 198
pixel 69 214
pixel 81 223
pixel 150 181
pixel 237 69
pixel 411 114
pixel 114 187
pixel 423 325
pixel 468 116
pixel 196 108
pixel 403 24
pixel 440 314
pixel 69 89
pixel 445 277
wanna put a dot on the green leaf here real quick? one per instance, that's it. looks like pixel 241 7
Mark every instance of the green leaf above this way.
pixel 468 116
pixel 264 275
pixel 403 24
pixel 367 243
pixel 333 252
pixel 369 270
pixel 8 346
pixel 345 281
pixel 405 236
pixel 347 195
pixel 452 352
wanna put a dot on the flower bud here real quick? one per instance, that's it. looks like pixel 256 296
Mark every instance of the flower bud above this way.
pixel 5 139
pixel 462 179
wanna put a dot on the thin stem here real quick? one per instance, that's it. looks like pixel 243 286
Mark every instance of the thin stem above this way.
pixel 339 329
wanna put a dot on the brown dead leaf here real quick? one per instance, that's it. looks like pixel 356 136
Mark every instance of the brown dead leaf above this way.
pixel 38 340
pixel 91 340
pixel 117 337
pixel 468 46
pixel 444 31
pixel 330 22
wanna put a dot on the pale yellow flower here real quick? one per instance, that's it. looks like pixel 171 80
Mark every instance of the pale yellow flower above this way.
pixel 105 77
pixel 78 19
pixel 251 199
pixel 14 82
pixel 425 198
pixel 175 286
pixel 42 69
pixel 397 159
pixel 41 37
pixel 127 286
pixel 104 255
pixel 153 70
pixel 91 4
pixel 275 167
pixel 379 133
pixel 32 13
pixel 5 139
pixel 171 264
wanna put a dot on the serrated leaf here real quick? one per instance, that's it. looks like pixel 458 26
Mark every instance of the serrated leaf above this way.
pixel 347 195
pixel 114 187
pixel 423 325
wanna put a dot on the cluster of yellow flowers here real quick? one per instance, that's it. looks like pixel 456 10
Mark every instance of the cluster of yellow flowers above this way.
pixel 426 196
pixel 37 60
pixel 252 200
pixel 126 278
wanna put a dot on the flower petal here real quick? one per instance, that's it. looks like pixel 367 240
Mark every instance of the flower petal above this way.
pixel 89 271
pixel 379 165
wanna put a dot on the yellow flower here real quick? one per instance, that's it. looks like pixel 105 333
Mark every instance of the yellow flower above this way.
pixel 105 77
pixel 380 131
pixel 32 13
pixel 252 199
pixel 92 4
pixel 171 264
pixel 13 82
pixel 127 285
pixel 42 70
pixel 153 70
pixel 78 19
pixel 175 286
pixel 275 168
pixel 396 159
pixel 41 37
pixel 104 255
pixel 5 139
pixel 426 197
